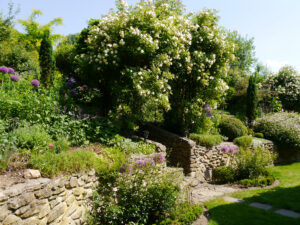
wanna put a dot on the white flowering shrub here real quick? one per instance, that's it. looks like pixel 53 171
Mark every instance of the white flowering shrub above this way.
pixel 282 128
pixel 149 58
pixel 286 85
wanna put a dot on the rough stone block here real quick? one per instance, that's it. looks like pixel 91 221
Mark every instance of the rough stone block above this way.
pixel 56 212
pixel 20 201
pixel 43 193
pixel 12 220
pixel 44 211
pixel 31 174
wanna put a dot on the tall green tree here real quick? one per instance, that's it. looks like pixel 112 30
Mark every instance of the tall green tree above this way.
pixel 46 60
pixel 34 31
pixel 252 100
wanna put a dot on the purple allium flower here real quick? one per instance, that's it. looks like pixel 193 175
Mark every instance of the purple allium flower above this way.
pixel 225 148
pixel 14 78
pixel 70 82
pixel 35 83
pixel 125 168
pixel 3 69
pixel 73 92
pixel 10 70
pixel 207 110
pixel 83 87
pixel 138 164
pixel 234 149
pixel 158 158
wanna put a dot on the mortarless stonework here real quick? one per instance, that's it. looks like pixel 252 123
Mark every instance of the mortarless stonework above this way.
pixel 61 200
pixel 196 161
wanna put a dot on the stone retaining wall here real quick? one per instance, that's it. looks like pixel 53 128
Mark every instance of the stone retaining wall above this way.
pixel 62 200
pixel 197 161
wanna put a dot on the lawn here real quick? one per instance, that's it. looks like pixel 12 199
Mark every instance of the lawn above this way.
pixel 286 195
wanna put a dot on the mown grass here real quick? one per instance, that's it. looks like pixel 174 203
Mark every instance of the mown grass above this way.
pixel 286 195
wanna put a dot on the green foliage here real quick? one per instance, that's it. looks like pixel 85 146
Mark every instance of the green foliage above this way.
pixel 51 164
pixel 244 141
pixel 282 128
pixel 183 213
pixel 252 100
pixel 46 60
pixel 259 181
pixel 232 127
pixel 144 196
pixel 34 32
pixel 129 147
pixel 259 135
pixel 207 140
pixel 64 57
pixel 252 163
pixel 33 137
pixel 61 145
pixel 224 175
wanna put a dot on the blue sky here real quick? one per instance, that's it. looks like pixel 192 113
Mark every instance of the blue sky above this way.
pixel 274 24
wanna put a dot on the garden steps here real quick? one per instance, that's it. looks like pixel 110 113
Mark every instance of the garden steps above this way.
pixel 283 212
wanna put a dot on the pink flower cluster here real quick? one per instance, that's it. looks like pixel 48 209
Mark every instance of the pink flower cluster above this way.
pixel 232 149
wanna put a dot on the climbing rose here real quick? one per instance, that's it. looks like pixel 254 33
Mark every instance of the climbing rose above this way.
pixel 14 78
pixel 35 83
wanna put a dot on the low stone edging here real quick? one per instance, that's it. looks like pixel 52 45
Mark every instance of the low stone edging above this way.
pixel 61 200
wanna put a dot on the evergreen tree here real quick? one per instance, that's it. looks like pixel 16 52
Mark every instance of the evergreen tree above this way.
pixel 46 60
pixel 252 100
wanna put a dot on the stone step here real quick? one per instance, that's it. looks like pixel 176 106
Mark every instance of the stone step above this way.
pixel 288 213
pixel 260 205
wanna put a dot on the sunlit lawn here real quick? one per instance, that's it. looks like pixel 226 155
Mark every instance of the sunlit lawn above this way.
pixel 286 195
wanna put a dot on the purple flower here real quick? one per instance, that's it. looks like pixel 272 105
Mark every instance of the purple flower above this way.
pixel 3 69
pixel 125 168
pixel 234 149
pixel 149 162
pixel 14 78
pixel 10 70
pixel 35 83
pixel 158 158
pixel 83 87
pixel 70 82
pixel 207 110
pixel 73 92
pixel 139 164
pixel 225 148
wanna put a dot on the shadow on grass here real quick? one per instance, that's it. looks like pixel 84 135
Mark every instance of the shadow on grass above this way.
pixel 224 213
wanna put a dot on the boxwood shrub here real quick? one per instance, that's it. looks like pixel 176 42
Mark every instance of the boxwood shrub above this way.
pixel 232 127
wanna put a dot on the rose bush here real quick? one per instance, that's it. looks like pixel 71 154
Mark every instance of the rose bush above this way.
pixel 149 58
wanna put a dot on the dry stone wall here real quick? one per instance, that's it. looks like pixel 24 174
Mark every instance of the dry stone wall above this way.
pixel 61 200
pixel 196 161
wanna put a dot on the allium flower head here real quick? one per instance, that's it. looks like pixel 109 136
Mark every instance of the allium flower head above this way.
pixel 125 168
pixel 3 69
pixel 70 82
pixel 73 92
pixel 158 158
pixel 207 110
pixel 10 70
pixel 234 149
pixel 14 78
pixel 35 83
pixel 149 162
pixel 225 148
pixel 50 145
